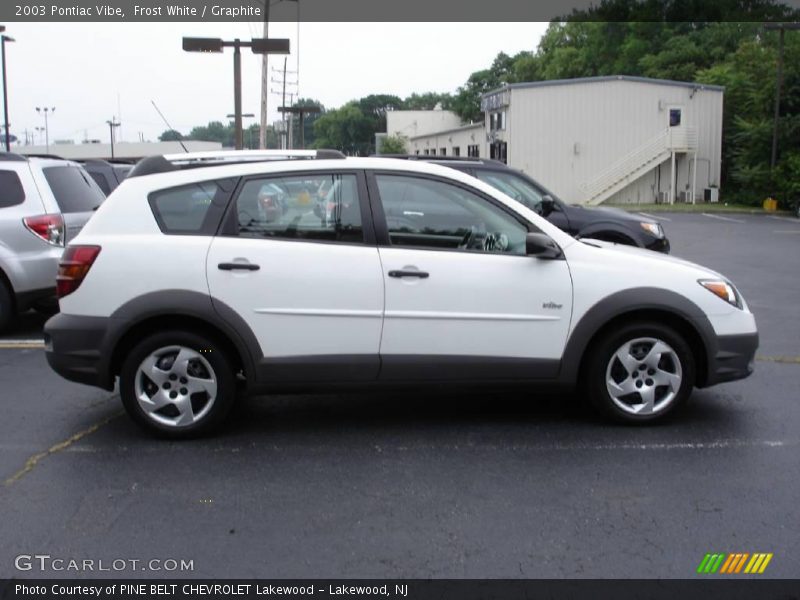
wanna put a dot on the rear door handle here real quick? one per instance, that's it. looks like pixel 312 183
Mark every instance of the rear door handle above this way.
pixel 401 273
pixel 237 266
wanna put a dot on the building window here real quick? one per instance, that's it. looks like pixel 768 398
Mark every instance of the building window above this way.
pixel 473 151
pixel 674 117
pixel 497 121
pixel 442 151
pixel 456 151
pixel 416 151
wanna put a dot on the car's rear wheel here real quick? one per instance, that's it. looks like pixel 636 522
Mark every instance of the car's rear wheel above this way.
pixel 639 373
pixel 6 306
pixel 177 384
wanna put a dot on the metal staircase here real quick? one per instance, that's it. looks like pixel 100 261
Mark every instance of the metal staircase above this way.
pixel 639 162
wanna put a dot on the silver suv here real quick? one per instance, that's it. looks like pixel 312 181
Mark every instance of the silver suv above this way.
pixel 44 203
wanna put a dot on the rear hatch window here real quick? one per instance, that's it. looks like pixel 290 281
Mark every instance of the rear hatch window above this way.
pixel 11 192
pixel 73 189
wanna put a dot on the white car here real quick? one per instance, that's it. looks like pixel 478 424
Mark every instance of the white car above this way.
pixel 183 288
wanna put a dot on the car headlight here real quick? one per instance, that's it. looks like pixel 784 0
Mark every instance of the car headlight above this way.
pixel 653 229
pixel 722 289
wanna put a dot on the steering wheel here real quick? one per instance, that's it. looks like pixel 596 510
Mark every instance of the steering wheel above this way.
pixel 469 238
pixel 495 242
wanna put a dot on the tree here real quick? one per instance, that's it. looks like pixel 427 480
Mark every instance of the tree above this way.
pixel 170 135
pixel 428 101
pixel 308 122
pixel 346 129
pixel 393 144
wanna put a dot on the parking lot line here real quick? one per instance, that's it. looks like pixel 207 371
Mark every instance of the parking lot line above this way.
pixel 790 360
pixel 659 218
pixel 56 448
pixel 12 344
pixel 721 218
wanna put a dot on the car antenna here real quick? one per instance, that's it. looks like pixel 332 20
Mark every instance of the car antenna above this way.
pixel 160 114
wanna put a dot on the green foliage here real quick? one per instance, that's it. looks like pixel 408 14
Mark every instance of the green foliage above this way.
pixel 393 144
pixel 170 135
pixel 347 129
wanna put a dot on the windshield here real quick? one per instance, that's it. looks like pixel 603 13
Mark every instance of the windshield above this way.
pixel 515 187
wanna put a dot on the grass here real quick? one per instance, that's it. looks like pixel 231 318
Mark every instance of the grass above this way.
pixel 716 207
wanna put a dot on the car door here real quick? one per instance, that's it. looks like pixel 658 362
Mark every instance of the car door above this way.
pixel 462 298
pixel 309 286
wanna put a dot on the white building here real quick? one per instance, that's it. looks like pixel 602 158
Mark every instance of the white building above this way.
pixel 411 123
pixel 613 139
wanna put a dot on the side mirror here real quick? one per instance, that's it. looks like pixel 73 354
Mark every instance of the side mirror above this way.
pixel 541 246
pixel 548 205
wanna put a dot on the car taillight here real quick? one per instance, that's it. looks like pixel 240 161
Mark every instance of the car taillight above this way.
pixel 48 227
pixel 74 265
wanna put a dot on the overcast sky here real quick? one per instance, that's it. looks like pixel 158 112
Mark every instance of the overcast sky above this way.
pixel 91 72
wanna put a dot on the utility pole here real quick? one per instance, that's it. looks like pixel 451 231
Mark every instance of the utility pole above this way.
pixel 111 124
pixel 262 131
pixel 302 111
pixel 283 83
pixel 781 27
pixel 5 38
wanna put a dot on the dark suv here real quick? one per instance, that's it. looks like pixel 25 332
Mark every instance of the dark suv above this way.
pixel 602 223
pixel 107 175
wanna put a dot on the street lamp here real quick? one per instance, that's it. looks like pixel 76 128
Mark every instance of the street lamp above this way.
pixel 111 124
pixel 245 116
pixel 44 111
pixel 257 45
pixel 5 39
pixel 302 111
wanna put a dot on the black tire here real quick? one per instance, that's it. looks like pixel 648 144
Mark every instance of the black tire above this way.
pixel 212 361
pixel 7 310
pixel 598 365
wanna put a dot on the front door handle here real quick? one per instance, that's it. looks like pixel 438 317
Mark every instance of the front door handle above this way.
pixel 402 273
pixel 237 266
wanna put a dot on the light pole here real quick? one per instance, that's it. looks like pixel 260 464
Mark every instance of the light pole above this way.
pixel 302 111
pixel 40 131
pixel 245 116
pixel 111 124
pixel 44 111
pixel 257 45
pixel 5 39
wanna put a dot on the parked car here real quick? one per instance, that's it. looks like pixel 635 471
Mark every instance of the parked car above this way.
pixel 43 203
pixel 107 175
pixel 430 276
pixel 601 223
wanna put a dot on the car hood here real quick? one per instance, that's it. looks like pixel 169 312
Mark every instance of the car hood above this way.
pixel 617 213
pixel 653 258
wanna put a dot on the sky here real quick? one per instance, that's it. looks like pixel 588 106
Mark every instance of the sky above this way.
pixel 91 72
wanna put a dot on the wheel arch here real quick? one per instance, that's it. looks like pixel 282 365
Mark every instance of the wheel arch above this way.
pixel 642 304
pixel 182 310
pixel 610 232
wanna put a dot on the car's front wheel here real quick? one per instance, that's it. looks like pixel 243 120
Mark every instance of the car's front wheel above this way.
pixel 177 384
pixel 639 373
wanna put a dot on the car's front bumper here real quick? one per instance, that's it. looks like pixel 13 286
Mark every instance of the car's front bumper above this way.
pixel 659 245
pixel 74 349
pixel 733 359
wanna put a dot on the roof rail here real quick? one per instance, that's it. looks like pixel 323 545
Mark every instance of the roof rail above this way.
pixel 54 156
pixel 430 158
pixel 12 157
pixel 173 162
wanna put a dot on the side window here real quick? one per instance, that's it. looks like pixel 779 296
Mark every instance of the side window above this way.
pixel 101 180
pixel 183 209
pixel 11 192
pixel 304 206
pixel 424 213
pixel 73 189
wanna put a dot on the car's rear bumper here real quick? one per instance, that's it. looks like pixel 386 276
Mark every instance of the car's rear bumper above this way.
pixel 734 358
pixel 74 349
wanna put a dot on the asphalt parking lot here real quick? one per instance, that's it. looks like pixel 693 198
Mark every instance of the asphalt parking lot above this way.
pixel 426 485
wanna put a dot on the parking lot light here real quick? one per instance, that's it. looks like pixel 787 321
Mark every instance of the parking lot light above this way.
pixel 5 38
pixel 257 45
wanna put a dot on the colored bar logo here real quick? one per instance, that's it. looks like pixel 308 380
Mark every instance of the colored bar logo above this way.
pixel 737 562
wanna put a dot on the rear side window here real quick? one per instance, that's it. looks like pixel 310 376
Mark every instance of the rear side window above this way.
pixel 184 209
pixel 11 192
pixel 101 180
pixel 73 189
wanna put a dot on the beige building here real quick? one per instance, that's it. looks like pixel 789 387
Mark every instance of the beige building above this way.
pixel 613 139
